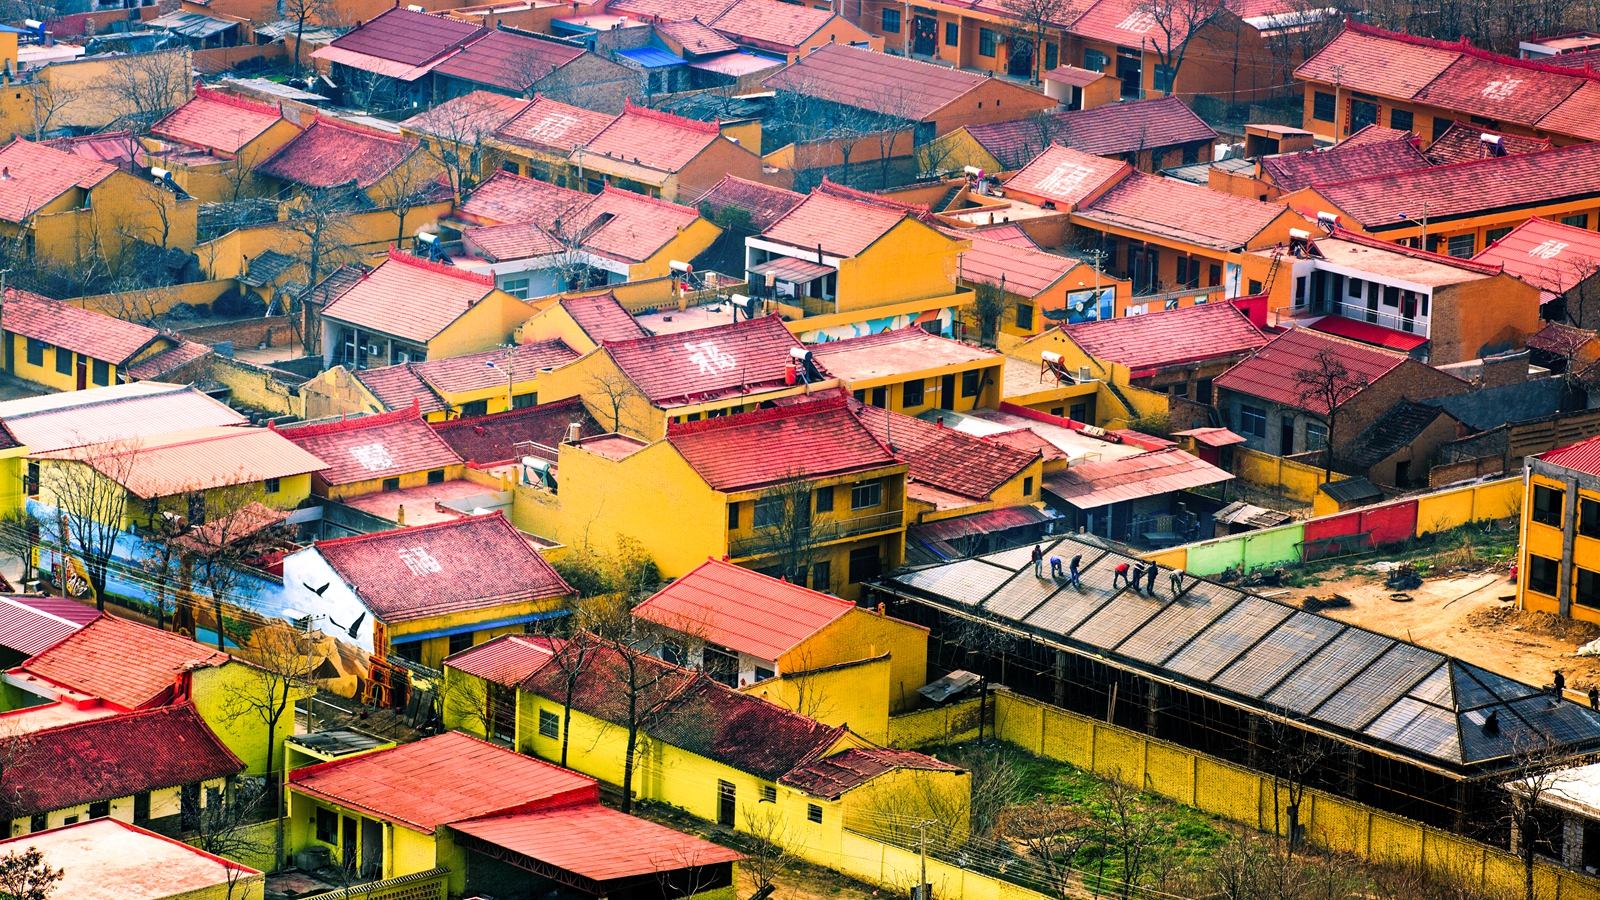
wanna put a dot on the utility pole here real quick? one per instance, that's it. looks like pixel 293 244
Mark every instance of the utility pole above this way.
pixel 922 847
pixel 5 361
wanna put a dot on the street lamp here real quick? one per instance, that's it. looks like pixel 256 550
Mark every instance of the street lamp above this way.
pixel 1423 241
pixel 510 370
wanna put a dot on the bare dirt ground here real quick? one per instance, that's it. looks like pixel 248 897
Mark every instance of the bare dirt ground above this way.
pixel 1469 616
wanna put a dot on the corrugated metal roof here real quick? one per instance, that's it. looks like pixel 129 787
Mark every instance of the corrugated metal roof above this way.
pixel 196 459
pixel 508 659
pixel 29 625
pixel 129 412
pixel 597 843
pixel 1095 484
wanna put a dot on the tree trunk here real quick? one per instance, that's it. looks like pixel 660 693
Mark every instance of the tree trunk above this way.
pixel 627 768
pixel 217 604
pixel 1327 457
pixel 566 721
pixel 275 784
pixel 299 34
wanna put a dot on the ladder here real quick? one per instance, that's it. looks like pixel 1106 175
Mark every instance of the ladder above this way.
pixel 1272 271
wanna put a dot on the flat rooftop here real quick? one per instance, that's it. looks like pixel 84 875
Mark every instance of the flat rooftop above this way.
pixel 1077 446
pixel 1000 210
pixel 106 859
pixel 422 503
pixel 1416 269
pixel 612 446
pixel 673 321
pixel 49 715
pixel 866 360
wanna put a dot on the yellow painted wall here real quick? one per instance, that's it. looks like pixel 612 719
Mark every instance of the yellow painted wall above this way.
pixel 854 694
pixel 47 373
pixel 434 650
pixel 369 235
pixel 118 210
pixel 487 325
pixel 87 91
pixel 911 262
pixel 861 633
pixel 216 690
pixel 1294 480
pixel 991 385
pixel 1308 201
pixel 688 243
pixel 223 179
pixel 375 485
pixel 164 802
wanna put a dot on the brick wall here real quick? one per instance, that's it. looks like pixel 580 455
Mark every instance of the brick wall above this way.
pixel 277 331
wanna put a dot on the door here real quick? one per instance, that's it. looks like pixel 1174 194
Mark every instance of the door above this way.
pixel 83 371
pixel 1130 68
pixel 924 35
pixel 1372 303
pixel 347 844
pixel 947 392
pixel 371 848
pixel 1362 114
pixel 1402 473
pixel 1286 436
pixel 725 803
pixel 1019 57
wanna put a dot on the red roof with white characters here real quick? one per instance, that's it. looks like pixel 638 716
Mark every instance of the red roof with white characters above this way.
pixel 1066 177
pixel 1548 255
pixel 770 446
pixel 216 121
pixel 113 756
pixel 459 565
pixel 551 124
pixel 1270 374
pixel 742 610
pixel 409 297
pixel 124 663
pixel 371 447
pixel 708 363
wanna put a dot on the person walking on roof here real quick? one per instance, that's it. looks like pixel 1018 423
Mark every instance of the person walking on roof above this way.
pixel 1072 572
pixel 1150 580
pixel 1038 562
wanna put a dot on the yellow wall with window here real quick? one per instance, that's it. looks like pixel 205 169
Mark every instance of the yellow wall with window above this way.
pixel 375 485
pixel 292 491
pixel 435 649
pixel 912 261
pixel 853 693
pixel 688 243
pixel 405 852
pixel 863 633
pixel 986 383
pixel 1540 571
pixel 52 359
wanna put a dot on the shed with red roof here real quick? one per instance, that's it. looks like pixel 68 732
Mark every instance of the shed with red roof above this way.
pixel 663 155
pixel 584 322
pixel 1150 134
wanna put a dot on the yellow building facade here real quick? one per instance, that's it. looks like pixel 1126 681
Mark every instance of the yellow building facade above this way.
pixel 1559 561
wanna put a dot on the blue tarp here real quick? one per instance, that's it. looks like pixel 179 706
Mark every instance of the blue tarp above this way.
pixel 651 58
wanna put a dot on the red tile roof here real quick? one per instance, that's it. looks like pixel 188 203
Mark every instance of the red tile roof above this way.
pixel 1169 337
pixel 1112 129
pixel 1074 76
pixel 945 458
pixel 1126 23
pixel 193 459
pixel 1464 143
pixel 372 447
pixel 476 562
pixel 1548 255
pixel 708 363
pixel 696 38
pixel 506 436
pixel 1377 335
pixel 410 298
pixel 506 198
pixel 832 776
pixel 1363 59
pixel 742 610
pixel 398 387
pixel 509 60
pixel 404 36
pixel 696 714
pixel 631 227
pixel 1027 270
pixel 1578 115
pixel 1212 437
pixel 1507 182
pixel 31 624
pixel 217 121
pixel 152 368
pixel 121 662
pixel 670 10
pixel 468 117
pixel 843 227
pixel 764 203
pixel 1293 171
pixel 1011 234
pixel 1094 484
pixel 330 152
pixel 598 843
pixel 1066 177
pixel 853 76
pixel 547 123
pixel 111 757
pixel 507 659
pixel 1270 374
pixel 442 779
pixel 59 324
pixel 602 318
pixel 500 243
pixel 32 175
pixel 818 440
pixel 1493 90
pixel 652 138
pixel 1560 339
pixel 1183 211
pixel 473 372
pixel 1375 134
pixel 109 147
pixel 771 24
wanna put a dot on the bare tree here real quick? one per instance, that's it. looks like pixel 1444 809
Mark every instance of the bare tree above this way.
pixel 145 86
pixel 26 875
pixel 91 504
pixel 1325 385
pixel 229 529
pixel 19 537
pixel 1134 830
pixel 1538 769
pixel 784 535
pixel 1049 833
pixel 613 395
pixel 406 187
pixel 1294 758
pixel 1033 19
pixel 1174 23
pixel 281 673
pixel 160 557
pixel 49 99
pixel 321 238
pixel 989 304
pixel 301 12
pixel 766 849
pixel 462 149
pixel 226 828
pixel 650 690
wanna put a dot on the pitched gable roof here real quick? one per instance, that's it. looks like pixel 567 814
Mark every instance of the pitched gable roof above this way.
pixel 696 38
pixel 945 458
pixel 842 226
pixel 1065 176
pixel 831 777
pixel 502 243
pixel 400 43
pixel 1094 484
pixel 116 413
pixel 509 60
pixel 764 203
pixel 652 138
pixel 1464 143
pixel 1548 255
pixel 630 227
pixel 1113 128
pixel 771 24
pixel 468 117
pixel 1168 337
pixel 1183 211
pixel 217 121
pixel 1293 171
pixel 670 10
pixel 865 79
pixel 59 324
pixel 121 662
pixel 505 198
pixel 509 436
pixel 32 175
pixel 29 625
pixel 455 566
pixel 1027 270
pixel 557 126
pixel 193 459
pixel 491 368
pixel 1390 432
pixel 1270 374
pixel 410 297
pixel 818 439
pixel 399 387
pixel 329 153
pixel 602 317
pixel 507 659
pixel 742 610
pixel 710 362
pixel 371 447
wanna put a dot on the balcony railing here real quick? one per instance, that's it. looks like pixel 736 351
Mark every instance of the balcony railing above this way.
pixel 775 540
pixel 1360 313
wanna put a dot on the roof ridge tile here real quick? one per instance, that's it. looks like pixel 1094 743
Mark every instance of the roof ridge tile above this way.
pixel 428 265
pixel 661 115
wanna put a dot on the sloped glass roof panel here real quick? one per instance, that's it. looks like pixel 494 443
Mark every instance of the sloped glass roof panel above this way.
pixel 1230 635
pixel 1419 726
pixel 1435 688
pixel 1162 636
pixel 1328 670
pixel 1388 679
pixel 1287 646
pixel 967 581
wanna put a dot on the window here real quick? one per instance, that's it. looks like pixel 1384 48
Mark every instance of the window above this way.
pixel 63 361
pixel 1589 517
pixel 1316 436
pixel 1322 107
pixel 1462 245
pixel 1357 287
pixel 1202 391
pixel 733 516
pixel 391 484
pixel 986 42
pixel 1255 288
pixel 891 21
pixel 864 564
pixel 1027 486
pixel 971 382
pixel 1440 126
pixel 1216 277
pixel 814 813
pixel 549 724
pixel 436 476
pixel 822 576
pixel 272 485
pixel 141 808
pixel 911 394
pixel 1164 79
pixel 769 793
pixel 763 673
pixel 769 512
pixel 1095 61
pixel 102 373
pixel 1581 220
pixel 70 820
pixel 197 509
pixel 327 826
pixel 475 408
pixel 1543 574
pixel 1547 505
pixel 460 642
pixel 720 666
pixel 1079 412
pixel 1588 593
pixel 35 352
pixel 1494 234
pixel 866 495
pixel 1252 420
pixel 516 287
pixel 410 651
pixel 952 34
pixel 1400 119
pixel 39 822
pixel 1025 316
pixel 100 810
pixel 523 401
pixel 824 499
